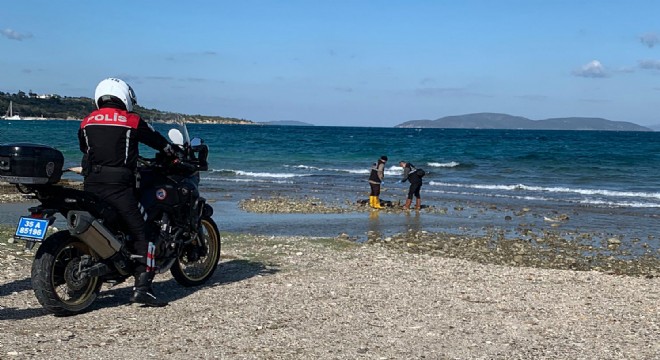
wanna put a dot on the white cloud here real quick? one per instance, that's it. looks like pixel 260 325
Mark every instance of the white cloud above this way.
pixel 15 35
pixel 593 69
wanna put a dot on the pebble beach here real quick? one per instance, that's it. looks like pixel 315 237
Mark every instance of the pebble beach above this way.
pixel 416 294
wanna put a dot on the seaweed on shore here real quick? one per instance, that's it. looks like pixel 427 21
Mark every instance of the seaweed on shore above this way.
pixel 286 205
pixel 552 251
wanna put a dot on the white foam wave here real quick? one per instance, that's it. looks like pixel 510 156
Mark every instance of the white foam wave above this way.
pixel 391 171
pixel 620 203
pixel 444 165
pixel 252 180
pixel 394 170
pixel 603 203
pixel 267 174
pixel 258 181
pixel 352 171
pixel 518 187
pixel 315 168
pixel 463 193
pixel 363 171
pixel 306 167
pixel 258 174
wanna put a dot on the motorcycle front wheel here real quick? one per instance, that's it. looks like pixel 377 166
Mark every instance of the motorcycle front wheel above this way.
pixel 56 279
pixel 198 263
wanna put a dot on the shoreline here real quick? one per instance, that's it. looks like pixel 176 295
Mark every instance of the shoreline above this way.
pixel 529 246
pixel 549 243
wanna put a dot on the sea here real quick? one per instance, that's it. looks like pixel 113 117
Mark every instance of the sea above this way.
pixel 603 181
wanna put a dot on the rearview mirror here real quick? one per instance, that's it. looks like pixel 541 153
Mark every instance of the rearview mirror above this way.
pixel 195 142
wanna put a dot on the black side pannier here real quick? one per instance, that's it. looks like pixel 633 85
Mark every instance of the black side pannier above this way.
pixel 24 163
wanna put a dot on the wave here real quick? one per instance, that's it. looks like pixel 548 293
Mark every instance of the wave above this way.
pixel 592 202
pixel 635 204
pixel 268 175
pixel 351 171
pixel 307 170
pixel 251 180
pixel 390 172
pixel 258 174
pixel 306 167
pixel 522 187
pixel 508 196
pixel 394 170
pixel 444 165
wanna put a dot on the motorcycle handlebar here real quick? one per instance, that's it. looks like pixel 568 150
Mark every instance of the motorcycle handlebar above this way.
pixel 183 165
pixel 167 162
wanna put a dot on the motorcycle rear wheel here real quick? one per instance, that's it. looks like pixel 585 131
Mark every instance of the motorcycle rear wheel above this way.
pixel 55 279
pixel 189 271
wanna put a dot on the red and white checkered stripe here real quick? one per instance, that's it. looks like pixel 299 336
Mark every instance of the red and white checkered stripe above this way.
pixel 151 258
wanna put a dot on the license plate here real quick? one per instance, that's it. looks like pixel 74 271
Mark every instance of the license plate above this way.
pixel 31 229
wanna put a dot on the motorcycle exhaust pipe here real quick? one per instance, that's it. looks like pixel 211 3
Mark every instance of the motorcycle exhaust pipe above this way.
pixel 87 228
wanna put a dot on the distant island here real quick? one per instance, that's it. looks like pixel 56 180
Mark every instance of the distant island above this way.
pixel 505 121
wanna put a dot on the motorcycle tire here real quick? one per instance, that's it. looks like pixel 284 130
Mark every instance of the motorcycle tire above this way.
pixel 194 272
pixel 54 275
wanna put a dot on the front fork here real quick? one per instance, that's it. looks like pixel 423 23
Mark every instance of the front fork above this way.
pixel 199 240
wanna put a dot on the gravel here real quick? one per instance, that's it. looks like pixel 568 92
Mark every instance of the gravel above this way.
pixel 308 298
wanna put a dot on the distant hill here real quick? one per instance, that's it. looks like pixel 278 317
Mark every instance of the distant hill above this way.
pixel 286 123
pixel 655 127
pixel 31 105
pixel 504 121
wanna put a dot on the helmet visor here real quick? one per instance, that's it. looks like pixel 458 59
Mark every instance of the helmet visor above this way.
pixel 131 94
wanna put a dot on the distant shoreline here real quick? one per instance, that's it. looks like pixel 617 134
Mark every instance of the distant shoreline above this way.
pixel 407 125
pixel 208 122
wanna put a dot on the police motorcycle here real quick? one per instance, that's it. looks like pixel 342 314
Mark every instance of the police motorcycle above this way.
pixel 70 266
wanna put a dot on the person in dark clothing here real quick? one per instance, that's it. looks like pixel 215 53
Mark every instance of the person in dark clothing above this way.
pixel 410 174
pixel 109 138
pixel 375 180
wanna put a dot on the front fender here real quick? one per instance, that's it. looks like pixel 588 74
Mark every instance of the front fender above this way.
pixel 207 211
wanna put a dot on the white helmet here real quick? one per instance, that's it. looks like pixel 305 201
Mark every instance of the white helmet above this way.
pixel 117 88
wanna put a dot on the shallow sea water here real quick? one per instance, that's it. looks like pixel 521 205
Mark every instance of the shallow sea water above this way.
pixel 605 183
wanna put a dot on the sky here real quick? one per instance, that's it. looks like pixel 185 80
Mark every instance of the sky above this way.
pixel 345 63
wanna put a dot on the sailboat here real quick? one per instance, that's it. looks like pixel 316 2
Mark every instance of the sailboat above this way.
pixel 10 113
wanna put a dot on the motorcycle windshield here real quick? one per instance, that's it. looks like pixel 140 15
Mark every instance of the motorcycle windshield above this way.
pixel 175 130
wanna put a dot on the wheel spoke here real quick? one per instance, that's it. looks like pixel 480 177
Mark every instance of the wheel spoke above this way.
pixel 69 289
pixel 196 268
pixel 199 266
